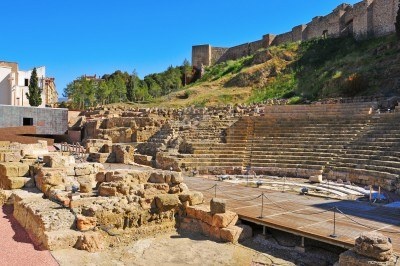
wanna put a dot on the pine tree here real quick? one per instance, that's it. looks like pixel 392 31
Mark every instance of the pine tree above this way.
pixel 397 24
pixel 35 92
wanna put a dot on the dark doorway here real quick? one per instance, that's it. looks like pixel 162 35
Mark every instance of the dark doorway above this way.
pixel 27 121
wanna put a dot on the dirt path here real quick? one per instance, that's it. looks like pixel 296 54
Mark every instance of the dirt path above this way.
pixel 16 248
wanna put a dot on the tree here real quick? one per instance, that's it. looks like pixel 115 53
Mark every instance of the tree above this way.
pixel 397 24
pixel 35 92
pixel 130 86
pixel 187 71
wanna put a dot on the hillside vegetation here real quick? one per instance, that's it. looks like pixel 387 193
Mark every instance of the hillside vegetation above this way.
pixel 298 72
pixel 307 71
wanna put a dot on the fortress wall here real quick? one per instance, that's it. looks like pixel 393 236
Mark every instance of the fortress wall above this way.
pixel 384 16
pixel 316 28
pixel 368 18
pixel 268 39
pixel 235 52
pixel 216 53
pixel 362 28
pixel 255 46
pixel 297 33
pixel 283 38
pixel 201 55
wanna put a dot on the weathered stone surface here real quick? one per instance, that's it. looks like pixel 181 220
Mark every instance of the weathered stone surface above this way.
pixel 193 197
pixel 217 205
pixel 157 177
pixel 12 182
pixel 374 245
pixel 315 179
pixel 84 223
pixel 231 234
pixel 224 219
pixel 167 202
pixel 91 242
pixel 107 190
pixel 56 160
pixel 176 178
pixel 83 169
pixel 351 258
pixel 85 186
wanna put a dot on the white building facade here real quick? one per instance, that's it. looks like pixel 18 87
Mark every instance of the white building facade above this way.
pixel 14 84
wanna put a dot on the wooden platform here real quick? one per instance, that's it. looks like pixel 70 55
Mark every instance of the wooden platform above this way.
pixel 311 217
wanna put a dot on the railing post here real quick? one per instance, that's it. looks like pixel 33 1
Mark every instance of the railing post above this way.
pixel 215 190
pixel 262 206
pixel 333 235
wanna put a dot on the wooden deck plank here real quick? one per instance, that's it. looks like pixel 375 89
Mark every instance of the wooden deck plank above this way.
pixel 310 217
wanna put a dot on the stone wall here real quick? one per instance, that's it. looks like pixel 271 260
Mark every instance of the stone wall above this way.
pixel 368 18
pixel 384 16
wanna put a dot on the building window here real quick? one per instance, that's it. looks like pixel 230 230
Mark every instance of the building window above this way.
pixel 26 82
pixel 27 121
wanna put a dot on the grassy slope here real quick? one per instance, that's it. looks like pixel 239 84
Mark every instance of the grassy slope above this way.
pixel 310 70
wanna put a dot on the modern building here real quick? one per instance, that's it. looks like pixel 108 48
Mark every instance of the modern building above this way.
pixel 14 84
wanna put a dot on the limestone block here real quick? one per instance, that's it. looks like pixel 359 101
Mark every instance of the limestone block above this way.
pixel 85 186
pixel 374 245
pixel 193 197
pixel 217 206
pixel 101 177
pixel 315 179
pixel 49 176
pixel 157 177
pixel 203 214
pixel 83 169
pixel 13 182
pixel 231 234
pixel 167 202
pixel 91 242
pixel 9 169
pixel 84 223
pixel 224 219
pixel 176 178
pixel 12 157
pixel 106 190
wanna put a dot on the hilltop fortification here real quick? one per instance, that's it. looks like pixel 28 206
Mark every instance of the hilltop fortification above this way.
pixel 366 19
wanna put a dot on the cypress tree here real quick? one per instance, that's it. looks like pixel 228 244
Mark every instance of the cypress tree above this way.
pixel 35 92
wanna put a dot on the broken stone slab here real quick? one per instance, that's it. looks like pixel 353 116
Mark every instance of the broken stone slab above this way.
pixel 217 205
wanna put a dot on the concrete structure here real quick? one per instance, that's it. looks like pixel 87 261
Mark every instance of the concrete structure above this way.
pixel 14 85
pixel 48 121
pixel 366 19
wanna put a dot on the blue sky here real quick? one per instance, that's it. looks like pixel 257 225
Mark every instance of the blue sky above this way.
pixel 77 37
